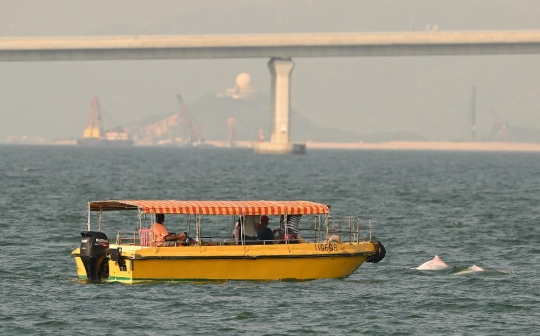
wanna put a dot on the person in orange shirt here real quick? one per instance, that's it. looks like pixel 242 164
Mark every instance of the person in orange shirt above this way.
pixel 161 236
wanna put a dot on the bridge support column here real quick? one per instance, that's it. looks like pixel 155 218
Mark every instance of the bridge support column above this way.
pixel 280 71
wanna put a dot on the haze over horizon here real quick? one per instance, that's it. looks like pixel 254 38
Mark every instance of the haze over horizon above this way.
pixel 428 96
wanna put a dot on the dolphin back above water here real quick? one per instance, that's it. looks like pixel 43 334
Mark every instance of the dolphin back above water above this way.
pixel 433 265
pixel 471 269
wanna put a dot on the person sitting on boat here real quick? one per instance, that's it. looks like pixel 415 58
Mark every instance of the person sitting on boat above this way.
pixel 237 232
pixel 265 233
pixel 162 237
pixel 289 227
pixel 184 240
pixel 245 230
pixel 251 224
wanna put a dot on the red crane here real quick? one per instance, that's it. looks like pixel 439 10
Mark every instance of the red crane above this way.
pixel 194 133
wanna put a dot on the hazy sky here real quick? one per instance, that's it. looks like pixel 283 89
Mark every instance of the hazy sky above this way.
pixel 429 96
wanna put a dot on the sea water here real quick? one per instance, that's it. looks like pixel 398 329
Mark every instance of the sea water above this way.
pixel 469 208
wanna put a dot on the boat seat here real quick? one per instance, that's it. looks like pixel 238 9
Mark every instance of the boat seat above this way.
pixel 144 236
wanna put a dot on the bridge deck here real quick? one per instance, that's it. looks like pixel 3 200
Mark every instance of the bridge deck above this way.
pixel 271 45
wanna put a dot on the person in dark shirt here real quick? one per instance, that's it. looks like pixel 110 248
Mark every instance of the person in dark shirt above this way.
pixel 264 233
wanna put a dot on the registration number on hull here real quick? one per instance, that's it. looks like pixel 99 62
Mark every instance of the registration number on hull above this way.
pixel 326 247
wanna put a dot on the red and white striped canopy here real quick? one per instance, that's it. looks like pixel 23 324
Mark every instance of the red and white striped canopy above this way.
pixel 215 207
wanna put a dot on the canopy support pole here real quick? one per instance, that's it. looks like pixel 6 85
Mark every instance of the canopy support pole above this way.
pixel 88 223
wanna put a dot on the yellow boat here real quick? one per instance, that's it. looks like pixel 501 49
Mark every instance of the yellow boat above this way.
pixel 327 247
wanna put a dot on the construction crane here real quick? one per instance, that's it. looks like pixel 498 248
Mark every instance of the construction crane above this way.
pixel 95 135
pixel 194 133
pixel 94 126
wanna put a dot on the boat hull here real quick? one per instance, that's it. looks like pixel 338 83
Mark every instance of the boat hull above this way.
pixel 307 261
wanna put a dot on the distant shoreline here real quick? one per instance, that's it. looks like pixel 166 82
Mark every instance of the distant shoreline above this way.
pixel 391 145
pixel 410 145
pixel 432 146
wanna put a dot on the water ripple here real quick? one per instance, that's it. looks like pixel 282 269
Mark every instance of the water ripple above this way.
pixel 468 208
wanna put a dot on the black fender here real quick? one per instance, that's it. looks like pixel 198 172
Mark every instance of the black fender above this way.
pixel 379 254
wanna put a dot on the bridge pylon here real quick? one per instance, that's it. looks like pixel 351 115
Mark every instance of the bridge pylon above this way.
pixel 280 72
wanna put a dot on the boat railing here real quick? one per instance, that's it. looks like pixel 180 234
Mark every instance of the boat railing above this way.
pixel 140 237
pixel 338 229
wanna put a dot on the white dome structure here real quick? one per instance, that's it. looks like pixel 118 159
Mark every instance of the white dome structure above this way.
pixel 242 89
pixel 243 81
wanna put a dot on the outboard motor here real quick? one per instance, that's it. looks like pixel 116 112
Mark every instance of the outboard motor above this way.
pixel 379 254
pixel 94 250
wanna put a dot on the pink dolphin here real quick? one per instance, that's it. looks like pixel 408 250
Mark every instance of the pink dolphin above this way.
pixel 471 269
pixel 433 265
